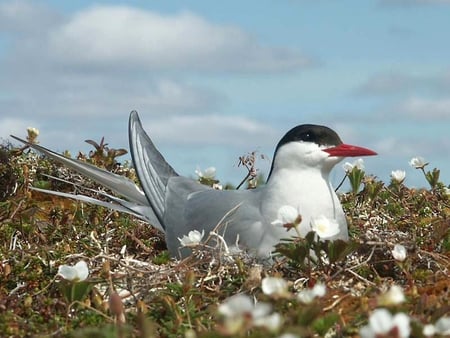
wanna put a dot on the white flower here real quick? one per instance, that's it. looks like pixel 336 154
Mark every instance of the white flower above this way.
pixel 319 290
pixel 418 162
pixel 399 253
pixel 236 306
pixel 324 227
pixel 209 173
pixel 447 190
pixel 240 309
pixel 274 286
pixel 441 327
pixel 235 310
pixel 359 163
pixel 77 273
pixel 398 175
pixel 393 296
pixel 307 296
pixel 381 322
pixel 286 215
pixel 347 166
pixel 193 238
pixel 429 330
pixel 271 322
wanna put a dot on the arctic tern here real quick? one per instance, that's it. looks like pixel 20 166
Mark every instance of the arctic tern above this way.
pixel 176 205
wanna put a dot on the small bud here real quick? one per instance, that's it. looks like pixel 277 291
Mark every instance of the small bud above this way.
pixel 116 307
pixel 33 133
pixel 399 253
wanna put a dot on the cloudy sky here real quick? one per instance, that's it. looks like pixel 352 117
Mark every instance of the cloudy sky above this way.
pixel 216 80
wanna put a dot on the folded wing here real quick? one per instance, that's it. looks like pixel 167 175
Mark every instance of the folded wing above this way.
pixel 135 203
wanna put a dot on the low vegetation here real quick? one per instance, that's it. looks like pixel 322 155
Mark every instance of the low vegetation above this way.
pixel 390 280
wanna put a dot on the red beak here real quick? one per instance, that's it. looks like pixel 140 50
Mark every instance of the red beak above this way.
pixel 347 150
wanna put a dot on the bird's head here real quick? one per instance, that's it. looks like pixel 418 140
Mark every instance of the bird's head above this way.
pixel 313 146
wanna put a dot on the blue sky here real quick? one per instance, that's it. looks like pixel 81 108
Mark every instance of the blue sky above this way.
pixel 215 80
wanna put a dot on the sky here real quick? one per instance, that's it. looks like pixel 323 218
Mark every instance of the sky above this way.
pixel 213 81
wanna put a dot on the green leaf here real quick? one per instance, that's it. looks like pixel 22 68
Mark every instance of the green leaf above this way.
pixel 310 238
pixel 42 184
pixel 355 177
pixel 323 324
pixel 296 252
pixel 433 177
pixel 337 250
pixel 75 291
pixel 161 258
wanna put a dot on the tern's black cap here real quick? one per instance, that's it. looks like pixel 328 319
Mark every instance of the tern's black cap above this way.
pixel 311 133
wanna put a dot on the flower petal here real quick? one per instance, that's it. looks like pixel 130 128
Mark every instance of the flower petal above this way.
pixel 324 227
pixel 193 238
pixel 401 321
pixel 271 322
pixel 443 325
pixel 78 272
pixel 418 162
pixel 67 272
pixel 82 270
pixel 380 321
pixel 286 214
pixel 236 305
pixel 393 296
pixel 399 253
pixel 306 296
pixel 398 175
pixel 319 290
pixel 274 286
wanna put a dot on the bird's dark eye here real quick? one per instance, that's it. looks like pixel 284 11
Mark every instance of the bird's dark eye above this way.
pixel 307 136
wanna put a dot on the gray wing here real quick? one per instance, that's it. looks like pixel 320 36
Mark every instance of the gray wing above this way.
pixel 143 212
pixel 137 202
pixel 119 204
pixel 152 169
pixel 202 208
pixel 119 184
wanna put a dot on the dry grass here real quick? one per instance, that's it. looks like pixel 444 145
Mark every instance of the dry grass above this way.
pixel 162 297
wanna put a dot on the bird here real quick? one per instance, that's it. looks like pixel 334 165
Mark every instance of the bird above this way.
pixel 178 205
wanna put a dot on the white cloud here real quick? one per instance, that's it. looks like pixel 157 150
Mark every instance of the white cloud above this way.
pixel 394 146
pixel 128 37
pixel 387 83
pixel 410 145
pixel 426 109
pixel 400 83
pixel 175 96
pixel 209 129
pixel 26 18
pixel 104 61
pixel 93 96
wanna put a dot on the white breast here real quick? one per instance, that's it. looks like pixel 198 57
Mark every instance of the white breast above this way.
pixel 310 193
